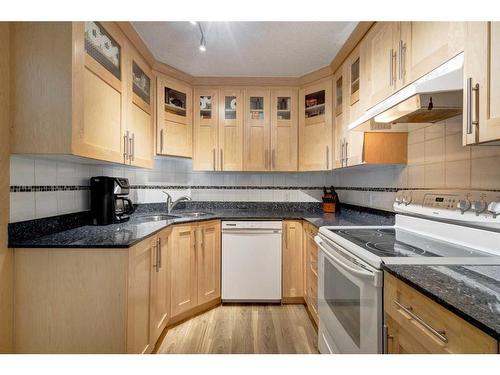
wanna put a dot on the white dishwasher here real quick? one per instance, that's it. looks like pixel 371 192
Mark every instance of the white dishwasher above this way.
pixel 251 261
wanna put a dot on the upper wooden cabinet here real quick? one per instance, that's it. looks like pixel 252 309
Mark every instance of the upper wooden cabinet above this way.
pixel 256 134
pixel 205 131
pixel 315 127
pixel 74 80
pixel 481 120
pixel 230 155
pixel 398 53
pixel 174 117
pixel 284 130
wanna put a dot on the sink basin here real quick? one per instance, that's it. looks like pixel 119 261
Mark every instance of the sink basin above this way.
pixel 160 217
pixel 196 214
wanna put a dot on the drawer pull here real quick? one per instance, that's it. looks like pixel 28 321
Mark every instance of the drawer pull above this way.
pixel 440 334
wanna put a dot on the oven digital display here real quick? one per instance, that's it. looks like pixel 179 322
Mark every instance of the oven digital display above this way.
pixel 439 199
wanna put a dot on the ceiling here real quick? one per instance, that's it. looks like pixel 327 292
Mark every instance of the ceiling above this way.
pixel 246 49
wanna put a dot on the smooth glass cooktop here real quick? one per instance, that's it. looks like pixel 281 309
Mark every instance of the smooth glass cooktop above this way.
pixel 393 242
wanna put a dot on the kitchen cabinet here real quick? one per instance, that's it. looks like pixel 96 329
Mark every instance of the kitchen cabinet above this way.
pixel 256 130
pixel 284 130
pixel 194 261
pixel 160 285
pixel 230 130
pixel 293 262
pixel 205 131
pixel 208 260
pixel 416 324
pixel 311 271
pixel 398 53
pixel 83 94
pixel 481 120
pixel 315 127
pixel 174 117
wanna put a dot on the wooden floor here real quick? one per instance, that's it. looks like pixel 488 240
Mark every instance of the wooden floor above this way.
pixel 244 329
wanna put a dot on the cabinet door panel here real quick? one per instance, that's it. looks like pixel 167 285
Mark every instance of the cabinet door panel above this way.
pixel 208 261
pixel 378 52
pixel 100 134
pixel 256 131
pixel 430 44
pixel 284 130
pixel 182 264
pixel 205 144
pixel 141 126
pixel 230 131
pixel 293 267
pixel 139 297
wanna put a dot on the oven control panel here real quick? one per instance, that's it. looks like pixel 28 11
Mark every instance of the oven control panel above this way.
pixel 481 208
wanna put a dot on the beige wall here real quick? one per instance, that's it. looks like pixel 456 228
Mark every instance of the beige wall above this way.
pixel 6 256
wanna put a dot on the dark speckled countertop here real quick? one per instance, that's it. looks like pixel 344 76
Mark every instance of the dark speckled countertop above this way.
pixel 471 292
pixel 133 231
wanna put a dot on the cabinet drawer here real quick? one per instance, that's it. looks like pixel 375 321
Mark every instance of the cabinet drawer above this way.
pixel 429 324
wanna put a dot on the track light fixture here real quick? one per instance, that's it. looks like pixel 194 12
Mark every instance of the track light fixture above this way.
pixel 203 41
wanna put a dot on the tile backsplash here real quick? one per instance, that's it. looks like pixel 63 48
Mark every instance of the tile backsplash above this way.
pixel 43 187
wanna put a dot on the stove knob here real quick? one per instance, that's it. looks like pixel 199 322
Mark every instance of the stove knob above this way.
pixel 494 208
pixel 478 206
pixel 407 200
pixel 463 205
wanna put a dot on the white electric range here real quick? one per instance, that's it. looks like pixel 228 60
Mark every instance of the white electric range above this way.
pixel 452 227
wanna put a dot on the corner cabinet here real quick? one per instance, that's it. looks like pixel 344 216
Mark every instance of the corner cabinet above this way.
pixel 315 127
pixel 174 117
pixel 481 120
pixel 83 95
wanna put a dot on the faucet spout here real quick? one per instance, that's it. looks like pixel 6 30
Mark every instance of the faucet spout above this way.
pixel 171 204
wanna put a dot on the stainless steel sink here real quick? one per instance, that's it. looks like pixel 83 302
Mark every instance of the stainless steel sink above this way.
pixel 196 214
pixel 160 217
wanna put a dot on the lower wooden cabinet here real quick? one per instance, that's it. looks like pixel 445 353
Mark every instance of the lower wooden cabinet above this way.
pixel 194 265
pixel 416 324
pixel 311 272
pixel 293 261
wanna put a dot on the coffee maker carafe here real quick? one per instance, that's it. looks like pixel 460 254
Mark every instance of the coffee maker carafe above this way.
pixel 108 200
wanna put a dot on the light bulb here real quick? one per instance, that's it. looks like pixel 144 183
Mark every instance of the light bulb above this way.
pixel 203 48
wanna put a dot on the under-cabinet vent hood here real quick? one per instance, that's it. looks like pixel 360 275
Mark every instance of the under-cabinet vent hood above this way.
pixel 432 98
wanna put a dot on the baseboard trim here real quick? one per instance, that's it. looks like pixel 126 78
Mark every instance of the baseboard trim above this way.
pixel 293 301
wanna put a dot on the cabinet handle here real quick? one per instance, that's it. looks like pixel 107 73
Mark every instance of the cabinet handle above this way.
pixel 221 160
pixel 125 147
pixel 161 141
pixel 155 260
pixel 400 52
pixel 327 157
pixel 346 148
pixel 213 154
pixel 470 89
pixel 394 58
pixel 440 334
pixel 159 253
pixel 390 66
pixel 402 59
pixel 132 147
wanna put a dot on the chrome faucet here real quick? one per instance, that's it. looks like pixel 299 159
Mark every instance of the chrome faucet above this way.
pixel 171 205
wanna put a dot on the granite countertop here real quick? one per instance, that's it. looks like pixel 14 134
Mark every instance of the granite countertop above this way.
pixel 471 292
pixel 129 233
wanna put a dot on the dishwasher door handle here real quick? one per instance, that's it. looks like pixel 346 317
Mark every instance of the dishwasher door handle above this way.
pixel 251 231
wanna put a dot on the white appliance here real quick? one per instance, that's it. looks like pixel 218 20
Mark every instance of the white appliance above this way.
pixel 251 261
pixel 432 227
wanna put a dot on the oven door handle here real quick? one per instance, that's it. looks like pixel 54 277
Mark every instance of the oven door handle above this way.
pixel 344 265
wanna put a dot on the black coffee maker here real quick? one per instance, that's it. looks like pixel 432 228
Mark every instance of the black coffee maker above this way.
pixel 108 200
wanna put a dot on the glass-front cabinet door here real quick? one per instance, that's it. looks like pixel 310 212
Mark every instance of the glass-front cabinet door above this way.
pixel 205 146
pixel 230 155
pixel 284 130
pixel 256 131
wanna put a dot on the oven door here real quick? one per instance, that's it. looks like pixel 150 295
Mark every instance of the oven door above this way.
pixel 349 300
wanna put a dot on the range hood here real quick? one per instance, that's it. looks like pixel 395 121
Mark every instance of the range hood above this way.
pixel 434 97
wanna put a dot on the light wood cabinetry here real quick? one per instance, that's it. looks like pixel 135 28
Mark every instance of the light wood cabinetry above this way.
pixel 208 260
pixel 205 131
pixel 230 155
pixel 284 130
pixel 293 261
pixel 256 133
pixel 481 120
pixel 195 266
pixel 416 324
pixel 174 117
pixel 311 271
pixel 67 82
pixel 315 127
pixel 160 285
